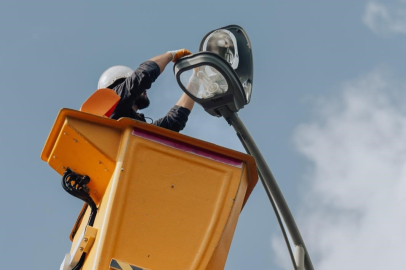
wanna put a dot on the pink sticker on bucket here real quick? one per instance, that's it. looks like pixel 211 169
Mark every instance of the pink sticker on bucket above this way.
pixel 187 147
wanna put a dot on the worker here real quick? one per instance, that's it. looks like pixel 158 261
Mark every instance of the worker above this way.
pixel 132 88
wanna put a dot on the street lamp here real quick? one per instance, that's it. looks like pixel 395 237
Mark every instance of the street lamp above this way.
pixel 220 78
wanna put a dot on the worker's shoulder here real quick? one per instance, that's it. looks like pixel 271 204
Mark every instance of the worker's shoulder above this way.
pixel 149 65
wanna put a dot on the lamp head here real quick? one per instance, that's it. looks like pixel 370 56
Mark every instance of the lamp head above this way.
pixel 233 44
pixel 208 79
pixel 221 73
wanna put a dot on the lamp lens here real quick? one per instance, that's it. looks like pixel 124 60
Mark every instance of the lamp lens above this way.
pixel 222 44
pixel 204 82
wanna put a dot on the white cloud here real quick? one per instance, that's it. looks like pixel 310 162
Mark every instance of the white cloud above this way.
pixel 355 204
pixel 384 19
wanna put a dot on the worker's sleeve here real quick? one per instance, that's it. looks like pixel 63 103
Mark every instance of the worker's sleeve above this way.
pixel 133 86
pixel 175 119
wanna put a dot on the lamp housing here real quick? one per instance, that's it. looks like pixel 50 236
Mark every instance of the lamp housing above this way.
pixel 233 44
pixel 209 80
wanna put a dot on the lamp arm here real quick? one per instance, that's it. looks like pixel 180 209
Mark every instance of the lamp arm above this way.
pixel 271 187
pixel 274 207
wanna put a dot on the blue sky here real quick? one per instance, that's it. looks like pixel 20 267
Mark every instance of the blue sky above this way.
pixel 327 112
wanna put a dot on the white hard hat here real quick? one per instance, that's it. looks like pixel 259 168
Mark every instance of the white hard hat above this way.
pixel 113 74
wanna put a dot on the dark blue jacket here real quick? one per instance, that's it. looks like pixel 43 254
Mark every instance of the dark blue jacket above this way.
pixel 132 87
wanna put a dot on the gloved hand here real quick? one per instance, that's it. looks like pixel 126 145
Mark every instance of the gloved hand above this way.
pixel 177 54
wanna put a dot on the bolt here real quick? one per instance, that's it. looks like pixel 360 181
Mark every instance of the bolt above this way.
pixel 54 157
pixel 63 167
pixel 81 249
pixel 75 140
pixel 122 169
pixel 172 186
pixel 85 240
pixel 95 191
pixel 64 133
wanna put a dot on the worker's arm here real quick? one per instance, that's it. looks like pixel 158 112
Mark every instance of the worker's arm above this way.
pixel 171 56
pixel 141 79
pixel 162 60
pixel 186 102
pixel 146 74
pixel 175 119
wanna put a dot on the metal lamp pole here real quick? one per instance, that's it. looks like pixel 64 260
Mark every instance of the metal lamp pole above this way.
pixel 271 187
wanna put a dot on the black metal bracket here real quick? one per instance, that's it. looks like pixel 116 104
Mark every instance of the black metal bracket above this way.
pixel 76 185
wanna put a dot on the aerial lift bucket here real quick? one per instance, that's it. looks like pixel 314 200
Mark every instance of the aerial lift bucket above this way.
pixel 165 201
